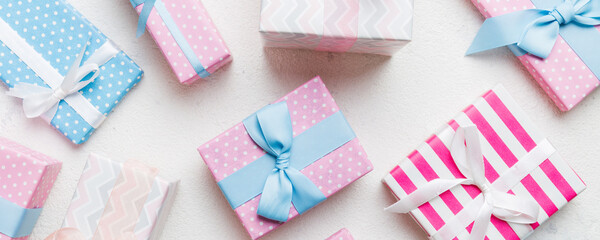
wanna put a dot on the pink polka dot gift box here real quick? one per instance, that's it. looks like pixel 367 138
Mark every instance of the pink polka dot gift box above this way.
pixel 567 66
pixel 489 173
pixel 185 34
pixel 342 234
pixel 286 158
pixel 26 178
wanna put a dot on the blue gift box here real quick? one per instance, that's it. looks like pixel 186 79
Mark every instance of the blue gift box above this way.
pixel 59 33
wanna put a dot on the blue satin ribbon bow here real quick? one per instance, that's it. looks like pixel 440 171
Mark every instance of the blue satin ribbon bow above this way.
pixel 535 30
pixel 172 26
pixel 16 221
pixel 271 129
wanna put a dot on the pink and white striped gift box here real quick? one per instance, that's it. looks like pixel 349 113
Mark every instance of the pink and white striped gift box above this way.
pixel 507 135
pixel 563 76
pixel 374 26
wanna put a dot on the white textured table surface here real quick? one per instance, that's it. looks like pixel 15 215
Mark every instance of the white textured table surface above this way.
pixel 392 103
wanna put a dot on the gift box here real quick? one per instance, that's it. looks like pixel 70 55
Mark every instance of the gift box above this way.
pixel 26 178
pixel 488 172
pixel 343 234
pixel 117 200
pixel 65 69
pixel 571 70
pixel 302 141
pixel 186 35
pixel 377 27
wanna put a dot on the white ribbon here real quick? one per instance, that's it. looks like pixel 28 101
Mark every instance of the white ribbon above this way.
pixel 39 101
pixel 494 199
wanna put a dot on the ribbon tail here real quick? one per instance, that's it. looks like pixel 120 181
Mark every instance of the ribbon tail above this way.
pixel 144 15
pixel 425 194
pixel 481 223
pixel 306 194
pixel 503 30
pixel 276 198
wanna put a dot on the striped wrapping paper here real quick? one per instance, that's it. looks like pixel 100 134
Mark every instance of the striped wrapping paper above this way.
pixel 99 180
pixel 506 135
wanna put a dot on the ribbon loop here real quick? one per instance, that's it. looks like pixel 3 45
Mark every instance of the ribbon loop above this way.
pixel 535 30
pixel 38 101
pixel 271 129
pixel 467 154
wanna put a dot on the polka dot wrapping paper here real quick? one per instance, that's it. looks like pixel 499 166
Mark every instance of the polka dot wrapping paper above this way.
pixel 194 23
pixel 58 33
pixel 563 75
pixel 308 105
pixel 506 136
pixel 26 176
pixel 342 234
pixel 103 178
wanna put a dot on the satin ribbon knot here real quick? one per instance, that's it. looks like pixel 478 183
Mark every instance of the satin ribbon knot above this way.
pixel 282 163
pixel 564 13
pixel 535 31
pixel 271 129
pixel 39 100
pixel 467 154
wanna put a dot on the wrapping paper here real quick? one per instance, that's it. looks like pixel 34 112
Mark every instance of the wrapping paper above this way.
pixel 26 176
pixel 507 134
pixel 308 105
pixel 563 76
pixel 195 24
pixel 58 32
pixel 378 27
pixel 100 180
pixel 342 234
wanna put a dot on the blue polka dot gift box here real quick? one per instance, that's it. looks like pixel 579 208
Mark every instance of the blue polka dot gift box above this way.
pixel 66 71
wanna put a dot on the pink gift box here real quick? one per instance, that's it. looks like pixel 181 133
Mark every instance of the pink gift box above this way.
pixel 26 176
pixel 564 77
pixel 507 135
pixel 343 234
pixel 308 105
pixel 198 29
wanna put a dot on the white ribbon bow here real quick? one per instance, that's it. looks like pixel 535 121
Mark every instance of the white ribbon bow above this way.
pixel 38 100
pixel 496 201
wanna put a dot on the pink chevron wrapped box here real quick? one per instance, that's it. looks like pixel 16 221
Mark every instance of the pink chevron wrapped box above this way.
pixel 26 177
pixel 342 234
pixel 115 200
pixel 509 141
pixel 376 26
pixel 563 75
pixel 198 32
pixel 309 105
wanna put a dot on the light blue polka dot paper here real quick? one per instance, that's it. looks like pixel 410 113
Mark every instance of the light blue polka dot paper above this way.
pixel 59 32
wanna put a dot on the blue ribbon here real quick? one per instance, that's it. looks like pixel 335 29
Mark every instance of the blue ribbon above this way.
pixel 172 26
pixel 535 31
pixel 276 175
pixel 16 221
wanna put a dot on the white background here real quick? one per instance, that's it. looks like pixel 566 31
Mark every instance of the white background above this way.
pixel 392 103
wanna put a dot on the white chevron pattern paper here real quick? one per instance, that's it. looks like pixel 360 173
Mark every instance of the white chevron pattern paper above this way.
pixel 93 192
pixel 384 26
